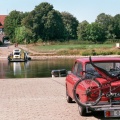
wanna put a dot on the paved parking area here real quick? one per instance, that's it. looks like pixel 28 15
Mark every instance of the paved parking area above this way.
pixel 37 99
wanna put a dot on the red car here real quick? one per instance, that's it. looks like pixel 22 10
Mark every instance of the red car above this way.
pixel 108 81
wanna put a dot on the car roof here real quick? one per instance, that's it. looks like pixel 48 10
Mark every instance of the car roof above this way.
pixel 98 59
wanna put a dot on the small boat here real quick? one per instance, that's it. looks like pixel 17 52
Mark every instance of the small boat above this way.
pixel 18 56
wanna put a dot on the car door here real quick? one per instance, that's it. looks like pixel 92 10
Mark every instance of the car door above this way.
pixel 73 77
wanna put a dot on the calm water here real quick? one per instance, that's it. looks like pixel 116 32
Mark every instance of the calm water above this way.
pixel 33 69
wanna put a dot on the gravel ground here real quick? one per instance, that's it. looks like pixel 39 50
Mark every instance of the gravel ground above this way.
pixel 38 99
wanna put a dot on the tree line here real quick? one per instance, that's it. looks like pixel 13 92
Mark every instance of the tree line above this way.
pixel 44 23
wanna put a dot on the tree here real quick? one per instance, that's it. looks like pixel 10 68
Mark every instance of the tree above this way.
pixel 107 24
pixel 44 22
pixel 40 19
pixel 22 34
pixel 81 30
pixel 28 22
pixel 95 32
pixel 53 27
pixel 70 24
pixel 117 26
pixel 12 21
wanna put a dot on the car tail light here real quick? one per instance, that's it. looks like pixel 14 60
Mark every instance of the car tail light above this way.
pixel 107 113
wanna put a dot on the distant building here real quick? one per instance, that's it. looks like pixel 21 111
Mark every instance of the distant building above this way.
pixel 2 19
pixel 2 35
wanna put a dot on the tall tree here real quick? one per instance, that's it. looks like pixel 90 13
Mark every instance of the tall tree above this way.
pixel 28 22
pixel 40 19
pixel 22 35
pixel 95 32
pixel 53 26
pixel 12 21
pixel 117 26
pixel 107 24
pixel 81 30
pixel 44 22
pixel 70 24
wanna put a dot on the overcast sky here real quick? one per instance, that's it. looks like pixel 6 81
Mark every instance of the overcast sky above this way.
pixel 81 9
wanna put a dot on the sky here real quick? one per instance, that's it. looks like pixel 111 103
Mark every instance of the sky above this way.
pixel 81 9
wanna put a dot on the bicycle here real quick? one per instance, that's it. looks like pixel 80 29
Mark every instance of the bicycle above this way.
pixel 88 92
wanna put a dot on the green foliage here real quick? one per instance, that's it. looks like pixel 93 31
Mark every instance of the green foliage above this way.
pixel 107 24
pixel 19 34
pixel 46 24
pixel 11 23
pixel 53 26
pixel 70 26
pixel 22 35
pixel 117 26
pixel 95 33
pixel 81 30
pixel 40 19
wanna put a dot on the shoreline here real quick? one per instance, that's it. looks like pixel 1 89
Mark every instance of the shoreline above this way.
pixel 47 57
pixel 5 51
pixel 33 58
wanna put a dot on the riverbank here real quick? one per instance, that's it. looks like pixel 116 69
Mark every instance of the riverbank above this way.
pixel 8 48
pixel 36 55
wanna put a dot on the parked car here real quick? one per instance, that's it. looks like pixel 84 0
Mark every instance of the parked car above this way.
pixel 81 69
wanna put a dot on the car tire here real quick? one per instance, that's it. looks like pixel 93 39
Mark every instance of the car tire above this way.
pixel 68 98
pixel 82 110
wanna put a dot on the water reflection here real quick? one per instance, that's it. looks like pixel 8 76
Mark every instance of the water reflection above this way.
pixel 16 68
pixel 33 69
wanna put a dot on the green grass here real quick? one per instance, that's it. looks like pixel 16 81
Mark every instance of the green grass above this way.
pixel 48 48
pixel 77 49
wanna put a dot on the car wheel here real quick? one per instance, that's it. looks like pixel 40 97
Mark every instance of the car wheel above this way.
pixel 82 110
pixel 68 98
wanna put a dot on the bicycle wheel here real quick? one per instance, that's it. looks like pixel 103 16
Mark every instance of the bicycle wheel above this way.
pixel 87 92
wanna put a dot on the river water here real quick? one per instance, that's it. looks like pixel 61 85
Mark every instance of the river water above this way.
pixel 33 69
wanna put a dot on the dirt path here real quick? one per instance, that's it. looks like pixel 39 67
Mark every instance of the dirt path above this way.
pixel 6 50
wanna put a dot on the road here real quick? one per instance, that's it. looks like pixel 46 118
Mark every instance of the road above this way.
pixel 38 99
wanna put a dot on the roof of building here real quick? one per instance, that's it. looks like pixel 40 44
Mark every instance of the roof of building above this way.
pixel 2 19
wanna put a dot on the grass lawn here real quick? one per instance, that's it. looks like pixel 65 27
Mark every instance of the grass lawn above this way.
pixel 76 49
pixel 47 48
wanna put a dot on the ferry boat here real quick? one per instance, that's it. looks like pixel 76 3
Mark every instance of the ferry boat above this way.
pixel 18 56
